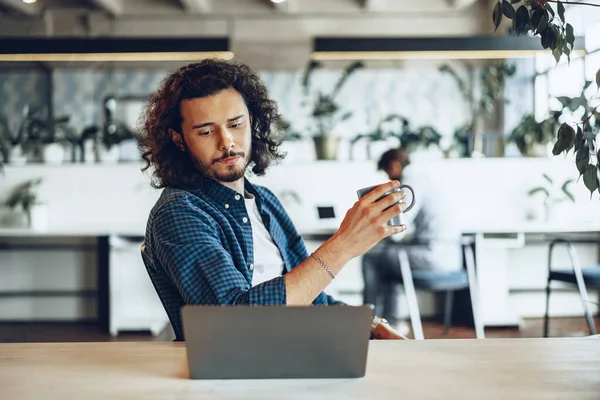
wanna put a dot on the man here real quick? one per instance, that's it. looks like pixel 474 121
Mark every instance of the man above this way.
pixel 204 127
pixel 433 242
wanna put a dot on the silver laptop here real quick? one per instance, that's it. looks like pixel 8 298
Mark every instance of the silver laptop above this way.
pixel 252 342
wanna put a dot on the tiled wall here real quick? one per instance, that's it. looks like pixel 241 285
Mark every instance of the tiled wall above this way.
pixel 19 88
pixel 420 93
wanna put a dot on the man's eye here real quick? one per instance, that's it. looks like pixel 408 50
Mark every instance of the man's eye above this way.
pixel 236 125
pixel 204 133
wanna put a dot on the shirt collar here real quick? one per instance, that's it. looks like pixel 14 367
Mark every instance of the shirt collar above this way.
pixel 217 193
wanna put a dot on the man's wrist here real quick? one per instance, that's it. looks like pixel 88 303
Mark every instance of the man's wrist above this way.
pixel 377 321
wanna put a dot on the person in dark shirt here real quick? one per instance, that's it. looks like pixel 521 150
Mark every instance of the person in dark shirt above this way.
pixel 212 232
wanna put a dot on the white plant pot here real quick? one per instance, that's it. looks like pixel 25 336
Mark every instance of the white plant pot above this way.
pixel 38 217
pixel 110 155
pixel 54 153
pixel 89 152
pixel 16 156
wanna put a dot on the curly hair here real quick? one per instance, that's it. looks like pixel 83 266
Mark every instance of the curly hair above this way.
pixel 172 168
pixel 399 154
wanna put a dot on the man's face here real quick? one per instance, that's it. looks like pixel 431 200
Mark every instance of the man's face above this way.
pixel 394 170
pixel 217 133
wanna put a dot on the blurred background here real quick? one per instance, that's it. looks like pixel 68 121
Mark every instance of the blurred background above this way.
pixel 477 106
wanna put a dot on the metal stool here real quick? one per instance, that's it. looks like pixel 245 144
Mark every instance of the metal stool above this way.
pixel 582 277
pixel 441 281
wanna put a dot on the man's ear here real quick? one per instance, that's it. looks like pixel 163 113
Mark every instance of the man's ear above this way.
pixel 177 138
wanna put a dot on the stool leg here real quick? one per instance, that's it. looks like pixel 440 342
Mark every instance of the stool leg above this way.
pixel 474 292
pixel 448 311
pixel 411 295
pixel 582 289
pixel 547 308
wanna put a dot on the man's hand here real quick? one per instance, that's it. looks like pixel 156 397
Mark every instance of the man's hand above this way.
pixel 386 332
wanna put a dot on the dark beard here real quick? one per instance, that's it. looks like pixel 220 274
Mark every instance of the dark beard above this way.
pixel 235 173
pixel 232 174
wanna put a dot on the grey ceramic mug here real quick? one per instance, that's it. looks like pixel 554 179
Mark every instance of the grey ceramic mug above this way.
pixel 409 193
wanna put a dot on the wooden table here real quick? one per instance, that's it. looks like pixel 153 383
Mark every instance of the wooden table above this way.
pixel 477 369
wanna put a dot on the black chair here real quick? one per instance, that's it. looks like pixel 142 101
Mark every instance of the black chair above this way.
pixel 447 282
pixel 584 278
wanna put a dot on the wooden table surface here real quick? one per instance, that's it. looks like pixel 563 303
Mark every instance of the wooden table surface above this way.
pixel 429 369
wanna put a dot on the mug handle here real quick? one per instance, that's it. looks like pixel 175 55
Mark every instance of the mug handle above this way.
pixel 412 192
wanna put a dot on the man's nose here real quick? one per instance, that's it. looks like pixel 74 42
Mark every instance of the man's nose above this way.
pixel 227 142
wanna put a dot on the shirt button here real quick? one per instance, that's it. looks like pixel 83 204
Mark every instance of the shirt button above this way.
pixel 251 267
pixel 245 219
pixel 226 205
pixel 237 197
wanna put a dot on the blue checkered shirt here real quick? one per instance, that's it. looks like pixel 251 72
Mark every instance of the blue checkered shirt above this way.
pixel 198 248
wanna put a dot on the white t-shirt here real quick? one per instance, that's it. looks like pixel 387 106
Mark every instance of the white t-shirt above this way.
pixel 432 220
pixel 268 263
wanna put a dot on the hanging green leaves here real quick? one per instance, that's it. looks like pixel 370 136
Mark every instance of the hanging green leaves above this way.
pixel 497 15
pixel 590 178
pixel 561 11
pixel 570 35
pixel 508 10
pixel 538 17
pixel 541 20
pixel 549 38
pixel 598 167
pixel 521 21
pixel 578 139
pixel 565 139
pixel 582 160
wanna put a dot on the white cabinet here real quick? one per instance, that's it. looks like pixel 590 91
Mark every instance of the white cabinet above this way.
pixel 134 303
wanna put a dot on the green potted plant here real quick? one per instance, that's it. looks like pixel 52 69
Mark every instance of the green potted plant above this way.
pixel 326 110
pixel 44 139
pixel 107 146
pixel 25 198
pixel 532 137
pixel 396 126
pixel 10 144
pixel 552 194
pixel 482 93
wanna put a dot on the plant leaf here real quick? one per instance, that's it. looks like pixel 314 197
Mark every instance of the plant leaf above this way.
pixel 308 71
pixel 570 35
pixel 508 10
pixel 548 38
pixel 497 15
pixel 522 19
pixel 590 179
pixel 598 165
pixel 542 22
pixel 547 178
pixel 538 189
pixel 557 52
pixel 578 138
pixel 565 190
pixel 598 79
pixel 565 139
pixel 561 11
pixel 582 159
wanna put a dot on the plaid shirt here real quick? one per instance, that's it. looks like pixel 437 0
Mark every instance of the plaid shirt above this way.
pixel 198 248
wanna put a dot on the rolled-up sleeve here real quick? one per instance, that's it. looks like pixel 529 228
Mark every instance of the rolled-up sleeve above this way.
pixel 188 247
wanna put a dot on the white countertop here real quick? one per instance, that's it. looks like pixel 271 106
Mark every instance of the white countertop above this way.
pixel 497 228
